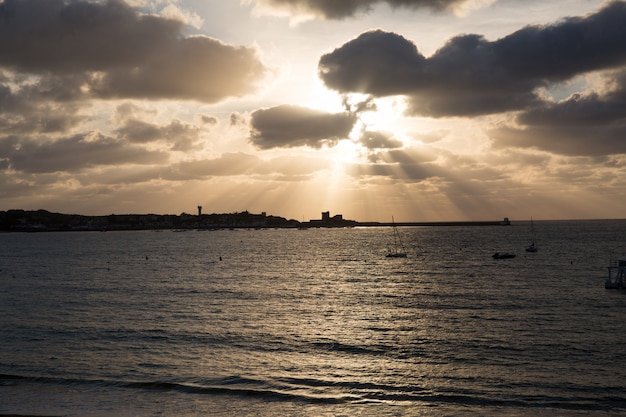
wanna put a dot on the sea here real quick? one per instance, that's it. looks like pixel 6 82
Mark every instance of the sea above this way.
pixel 317 322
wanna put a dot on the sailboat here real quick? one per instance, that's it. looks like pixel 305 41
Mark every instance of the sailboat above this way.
pixel 396 242
pixel 533 246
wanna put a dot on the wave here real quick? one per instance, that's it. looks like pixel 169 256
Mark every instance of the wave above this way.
pixel 314 391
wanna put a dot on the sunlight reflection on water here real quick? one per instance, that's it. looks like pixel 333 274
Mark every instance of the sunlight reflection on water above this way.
pixel 320 319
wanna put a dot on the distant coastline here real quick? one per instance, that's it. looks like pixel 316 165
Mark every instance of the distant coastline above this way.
pixel 45 221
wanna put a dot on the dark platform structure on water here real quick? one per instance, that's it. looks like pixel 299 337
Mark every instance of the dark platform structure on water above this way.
pixel 503 222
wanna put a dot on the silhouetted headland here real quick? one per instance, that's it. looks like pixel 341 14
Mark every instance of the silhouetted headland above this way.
pixel 45 221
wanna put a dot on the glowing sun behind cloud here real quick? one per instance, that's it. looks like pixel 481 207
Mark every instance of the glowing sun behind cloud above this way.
pixel 323 98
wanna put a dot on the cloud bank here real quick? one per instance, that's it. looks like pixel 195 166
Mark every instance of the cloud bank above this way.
pixel 342 9
pixel 110 50
pixel 472 76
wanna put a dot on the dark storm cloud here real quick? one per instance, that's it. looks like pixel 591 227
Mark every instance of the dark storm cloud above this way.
pixel 470 75
pixel 291 126
pixel 341 9
pixel 73 153
pixel 122 53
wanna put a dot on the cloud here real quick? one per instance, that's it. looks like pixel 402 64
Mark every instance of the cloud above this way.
pixel 73 153
pixel 292 126
pixel 209 120
pixel 45 106
pixel 181 136
pixel 238 119
pixel 379 140
pixel 470 75
pixel 118 52
pixel 589 124
pixel 172 11
pixel 591 109
pixel 195 68
pixel 342 9
pixel 566 140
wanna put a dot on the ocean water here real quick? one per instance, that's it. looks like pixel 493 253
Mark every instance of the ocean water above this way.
pixel 284 322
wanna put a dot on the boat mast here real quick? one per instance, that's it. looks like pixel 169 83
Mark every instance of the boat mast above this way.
pixel 395 234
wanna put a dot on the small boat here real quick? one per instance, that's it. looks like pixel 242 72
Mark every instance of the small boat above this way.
pixel 396 241
pixel 503 255
pixel 533 246
pixel 616 278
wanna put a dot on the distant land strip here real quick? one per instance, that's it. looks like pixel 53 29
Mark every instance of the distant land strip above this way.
pixel 45 221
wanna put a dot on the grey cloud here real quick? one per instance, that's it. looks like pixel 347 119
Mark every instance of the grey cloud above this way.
pixel 378 140
pixel 573 46
pixel 578 110
pixel 341 9
pixel 61 36
pixel 566 140
pixel 237 119
pixel 410 156
pixel 376 62
pixel 209 120
pixel 43 119
pixel 590 124
pixel 196 68
pixel 119 52
pixel 291 126
pixel 575 111
pixel 179 135
pixel 470 75
pixel 73 153
pixel 38 107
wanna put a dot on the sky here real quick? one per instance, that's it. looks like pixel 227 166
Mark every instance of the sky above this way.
pixel 424 110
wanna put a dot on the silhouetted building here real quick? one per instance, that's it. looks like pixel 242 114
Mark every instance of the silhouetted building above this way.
pixel 327 221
